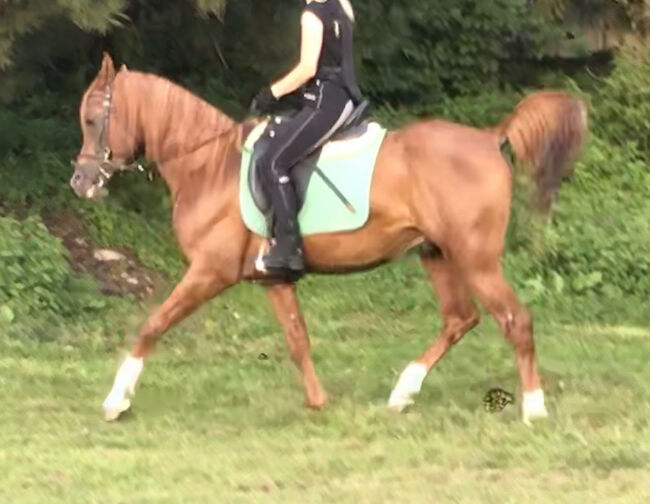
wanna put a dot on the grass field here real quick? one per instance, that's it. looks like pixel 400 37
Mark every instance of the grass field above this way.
pixel 212 422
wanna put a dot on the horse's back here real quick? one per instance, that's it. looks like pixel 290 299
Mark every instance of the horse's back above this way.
pixel 462 155
pixel 446 138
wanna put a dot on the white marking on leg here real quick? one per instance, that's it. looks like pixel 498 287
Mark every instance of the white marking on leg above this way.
pixel 533 407
pixel 118 400
pixel 408 385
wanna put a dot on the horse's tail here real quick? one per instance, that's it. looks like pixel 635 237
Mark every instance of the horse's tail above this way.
pixel 547 131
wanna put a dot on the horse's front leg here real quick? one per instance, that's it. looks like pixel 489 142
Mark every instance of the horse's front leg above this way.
pixel 285 305
pixel 201 282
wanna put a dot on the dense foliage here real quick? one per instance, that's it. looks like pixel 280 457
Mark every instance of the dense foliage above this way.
pixel 35 278
pixel 600 238
pixel 430 50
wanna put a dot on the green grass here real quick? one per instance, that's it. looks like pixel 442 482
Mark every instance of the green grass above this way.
pixel 214 423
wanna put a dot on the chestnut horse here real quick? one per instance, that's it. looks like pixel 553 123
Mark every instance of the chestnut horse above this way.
pixel 437 184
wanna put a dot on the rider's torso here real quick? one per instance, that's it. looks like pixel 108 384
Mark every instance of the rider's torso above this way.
pixel 332 54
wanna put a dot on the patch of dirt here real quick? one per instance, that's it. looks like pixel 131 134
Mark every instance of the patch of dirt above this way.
pixel 117 269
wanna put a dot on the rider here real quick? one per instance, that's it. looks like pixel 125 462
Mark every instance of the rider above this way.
pixel 326 73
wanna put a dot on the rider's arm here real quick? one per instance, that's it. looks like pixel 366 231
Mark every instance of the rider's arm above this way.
pixel 310 49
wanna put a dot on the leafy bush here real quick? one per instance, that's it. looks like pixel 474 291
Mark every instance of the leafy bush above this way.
pixel 599 240
pixel 622 114
pixel 35 278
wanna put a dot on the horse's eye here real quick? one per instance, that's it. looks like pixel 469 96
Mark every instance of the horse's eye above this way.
pixel 89 122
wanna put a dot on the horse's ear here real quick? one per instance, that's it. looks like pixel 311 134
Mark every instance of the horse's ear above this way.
pixel 107 71
pixel 123 68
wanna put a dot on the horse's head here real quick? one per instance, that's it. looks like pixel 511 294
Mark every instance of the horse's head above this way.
pixel 102 153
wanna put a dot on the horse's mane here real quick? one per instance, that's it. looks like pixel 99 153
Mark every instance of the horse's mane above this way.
pixel 177 122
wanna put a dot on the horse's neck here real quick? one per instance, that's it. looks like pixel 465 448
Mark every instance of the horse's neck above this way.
pixel 209 172
pixel 181 133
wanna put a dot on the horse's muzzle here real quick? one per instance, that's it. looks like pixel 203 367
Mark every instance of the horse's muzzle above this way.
pixel 87 182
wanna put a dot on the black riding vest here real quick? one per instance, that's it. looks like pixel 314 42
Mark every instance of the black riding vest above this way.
pixel 336 62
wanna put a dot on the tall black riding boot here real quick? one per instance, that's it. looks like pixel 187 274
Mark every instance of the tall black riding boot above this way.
pixel 286 253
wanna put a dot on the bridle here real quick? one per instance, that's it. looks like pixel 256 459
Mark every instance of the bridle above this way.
pixel 104 158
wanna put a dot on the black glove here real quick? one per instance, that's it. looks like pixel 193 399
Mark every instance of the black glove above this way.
pixel 263 101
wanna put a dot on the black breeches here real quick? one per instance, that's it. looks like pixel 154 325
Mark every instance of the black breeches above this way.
pixel 325 109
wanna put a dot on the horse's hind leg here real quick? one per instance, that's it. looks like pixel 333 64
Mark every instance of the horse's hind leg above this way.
pixel 490 288
pixel 459 317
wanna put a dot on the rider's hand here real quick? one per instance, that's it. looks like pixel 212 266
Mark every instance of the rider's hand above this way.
pixel 263 101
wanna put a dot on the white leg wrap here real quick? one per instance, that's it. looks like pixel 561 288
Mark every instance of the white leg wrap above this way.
pixel 408 385
pixel 533 407
pixel 118 400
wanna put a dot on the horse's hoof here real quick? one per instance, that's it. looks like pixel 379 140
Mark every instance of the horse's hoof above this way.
pixel 398 405
pixel 533 407
pixel 533 417
pixel 315 406
pixel 318 402
pixel 113 412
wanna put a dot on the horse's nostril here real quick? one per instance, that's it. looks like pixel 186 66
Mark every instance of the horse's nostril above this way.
pixel 76 178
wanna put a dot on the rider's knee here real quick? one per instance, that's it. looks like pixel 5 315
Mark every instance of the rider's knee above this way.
pixel 272 167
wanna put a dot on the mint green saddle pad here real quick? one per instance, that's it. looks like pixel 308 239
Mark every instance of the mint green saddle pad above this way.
pixel 349 164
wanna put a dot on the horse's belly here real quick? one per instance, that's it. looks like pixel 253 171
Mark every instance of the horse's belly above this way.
pixel 359 250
